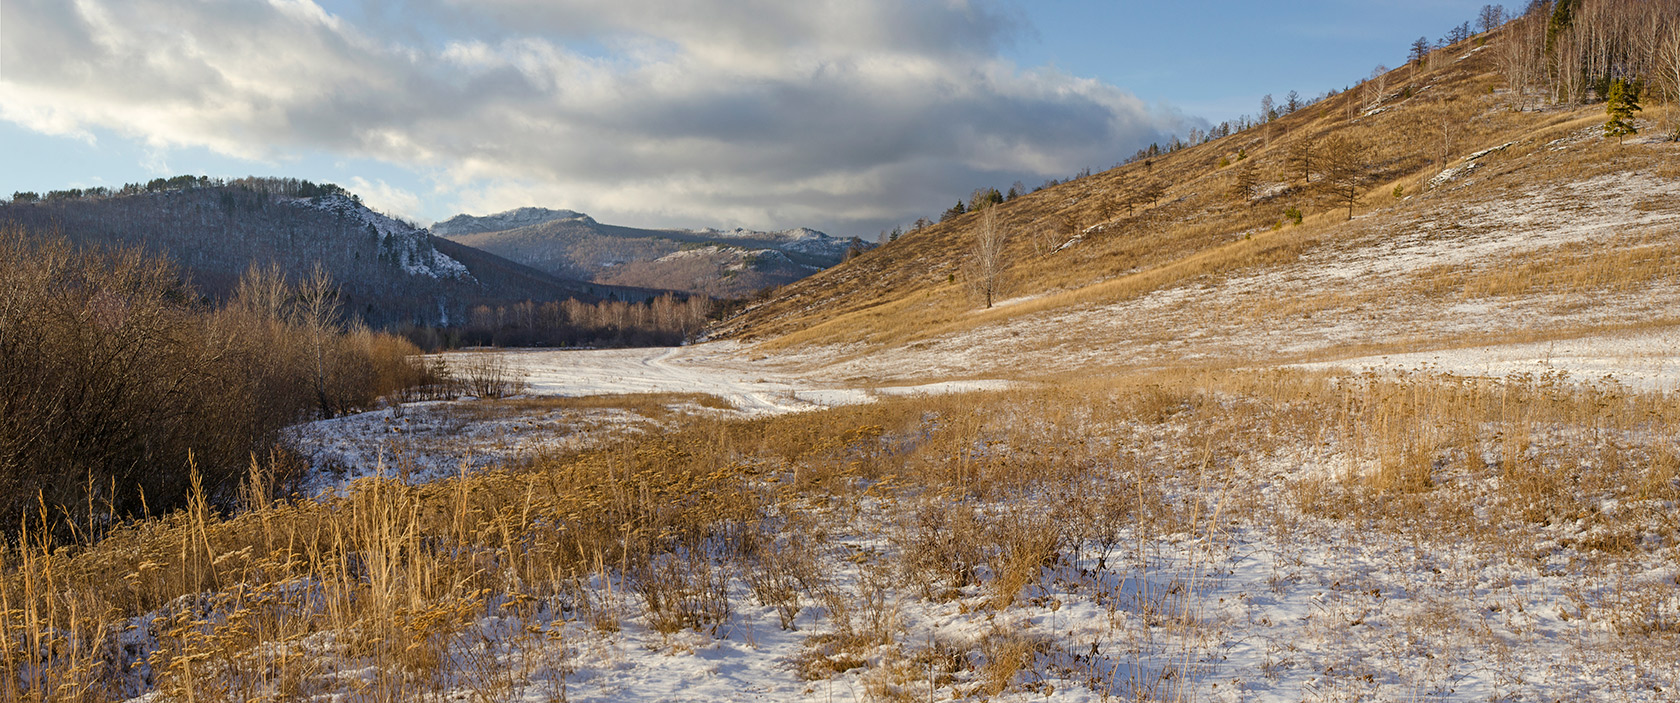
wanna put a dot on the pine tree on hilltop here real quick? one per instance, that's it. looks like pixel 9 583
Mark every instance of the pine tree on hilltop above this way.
pixel 1622 103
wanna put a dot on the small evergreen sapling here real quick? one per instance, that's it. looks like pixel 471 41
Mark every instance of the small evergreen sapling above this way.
pixel 1623 102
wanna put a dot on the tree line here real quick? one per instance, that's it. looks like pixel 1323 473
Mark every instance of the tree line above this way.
pixel 284 187
pixel 667 320
pixel 1573 51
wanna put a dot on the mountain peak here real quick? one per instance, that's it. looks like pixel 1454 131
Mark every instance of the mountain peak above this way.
pixel 505 220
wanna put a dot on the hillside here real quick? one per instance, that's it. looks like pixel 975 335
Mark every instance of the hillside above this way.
pixel 723 264
pixel 1476 216
pixel 389 271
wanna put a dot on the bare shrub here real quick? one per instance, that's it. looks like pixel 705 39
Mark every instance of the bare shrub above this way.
pixel 488 375
pixel 116 380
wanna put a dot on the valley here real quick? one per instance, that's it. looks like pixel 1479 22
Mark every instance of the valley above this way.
pixel 1372 397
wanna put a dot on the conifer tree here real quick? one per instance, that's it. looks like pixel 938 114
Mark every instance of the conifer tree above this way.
pixel 1623 102
pixel 1244 179
pixel 1344 169
pixel 1420 51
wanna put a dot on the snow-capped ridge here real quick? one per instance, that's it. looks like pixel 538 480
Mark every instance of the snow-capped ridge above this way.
pixel 399 243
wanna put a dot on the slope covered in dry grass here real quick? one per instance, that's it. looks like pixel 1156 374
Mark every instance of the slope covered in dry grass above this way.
pixel 1554 232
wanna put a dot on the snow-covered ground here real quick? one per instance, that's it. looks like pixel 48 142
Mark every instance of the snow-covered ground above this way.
pixel 717 368
pixel 1317 611
pixel 426 441
pixel 435 439
pixel 1645 360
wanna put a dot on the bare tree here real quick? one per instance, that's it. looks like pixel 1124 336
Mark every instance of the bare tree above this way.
pixel 1376 88
pixel 986 258
pixel 263 291
pixel 316 311
pixel 1491 17
pixel 1244 179
pixel 1521 57
pixel 1668 74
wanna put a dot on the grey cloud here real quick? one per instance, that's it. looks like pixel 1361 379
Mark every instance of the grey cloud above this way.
pixel 842 115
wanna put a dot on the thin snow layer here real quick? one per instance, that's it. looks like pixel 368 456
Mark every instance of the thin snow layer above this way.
pixel 1370 276
pixel 509 219
pixel 426 441
pixel 713 369
pixel 1648 360
pixel 1326 614
pixel 800 240
pixel 408 247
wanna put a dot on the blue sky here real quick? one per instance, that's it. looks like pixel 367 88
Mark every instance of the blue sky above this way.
pixel 848 117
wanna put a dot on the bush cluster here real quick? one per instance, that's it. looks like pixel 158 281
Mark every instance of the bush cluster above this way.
pixel 117 380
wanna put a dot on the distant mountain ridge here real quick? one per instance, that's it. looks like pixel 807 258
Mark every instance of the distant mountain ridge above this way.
pixel 721 263
pixel 389 272
pixel 460 225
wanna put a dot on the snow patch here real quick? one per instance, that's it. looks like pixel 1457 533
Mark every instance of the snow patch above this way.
pixel 407 247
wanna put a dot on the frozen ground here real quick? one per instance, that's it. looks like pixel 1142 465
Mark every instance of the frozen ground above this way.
pixel 1311 611
pixel 425 441
pixel 717 368
pixel 1645 360
pixel 429 440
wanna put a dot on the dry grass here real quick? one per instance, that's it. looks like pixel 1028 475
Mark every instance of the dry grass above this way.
pixel 1247 284
pixel 994 501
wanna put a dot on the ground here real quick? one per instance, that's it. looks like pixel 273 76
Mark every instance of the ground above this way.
pixel 1250 591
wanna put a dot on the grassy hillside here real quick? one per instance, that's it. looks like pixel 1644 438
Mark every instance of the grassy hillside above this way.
pixel 1101 273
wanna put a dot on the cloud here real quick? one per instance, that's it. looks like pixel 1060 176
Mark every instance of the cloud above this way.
pixel 386 198
pixel 761 113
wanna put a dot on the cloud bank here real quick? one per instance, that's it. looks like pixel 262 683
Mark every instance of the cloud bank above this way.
pixel 842 114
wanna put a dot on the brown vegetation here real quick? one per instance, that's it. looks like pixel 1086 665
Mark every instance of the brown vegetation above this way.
pixel 116 381
pixel 992 500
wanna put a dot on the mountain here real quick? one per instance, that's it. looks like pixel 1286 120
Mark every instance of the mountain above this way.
pixel 721 263
pixel 460 225
pixel 389 271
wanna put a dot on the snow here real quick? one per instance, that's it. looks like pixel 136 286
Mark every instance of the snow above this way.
pixel 1645 360
pixel 426 441
pixel 714 368
pixel 1464 167
pixel 510 219
pixel 411 247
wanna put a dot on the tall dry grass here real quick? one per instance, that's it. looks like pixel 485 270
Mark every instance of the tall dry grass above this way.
pixel 993 500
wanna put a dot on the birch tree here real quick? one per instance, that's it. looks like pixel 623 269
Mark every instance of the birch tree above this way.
pixel 986 258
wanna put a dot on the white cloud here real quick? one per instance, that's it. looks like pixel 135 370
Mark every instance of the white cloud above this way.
pixel 713 112
pixel 386 198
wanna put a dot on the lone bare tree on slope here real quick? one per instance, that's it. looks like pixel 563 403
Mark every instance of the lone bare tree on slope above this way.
pixel 986 258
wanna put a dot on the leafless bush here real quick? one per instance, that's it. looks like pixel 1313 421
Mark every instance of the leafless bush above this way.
pixel 115 380
pixel 488 375
pixel 684 589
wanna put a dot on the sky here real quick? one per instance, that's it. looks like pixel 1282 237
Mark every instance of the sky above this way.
pixel 849 116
